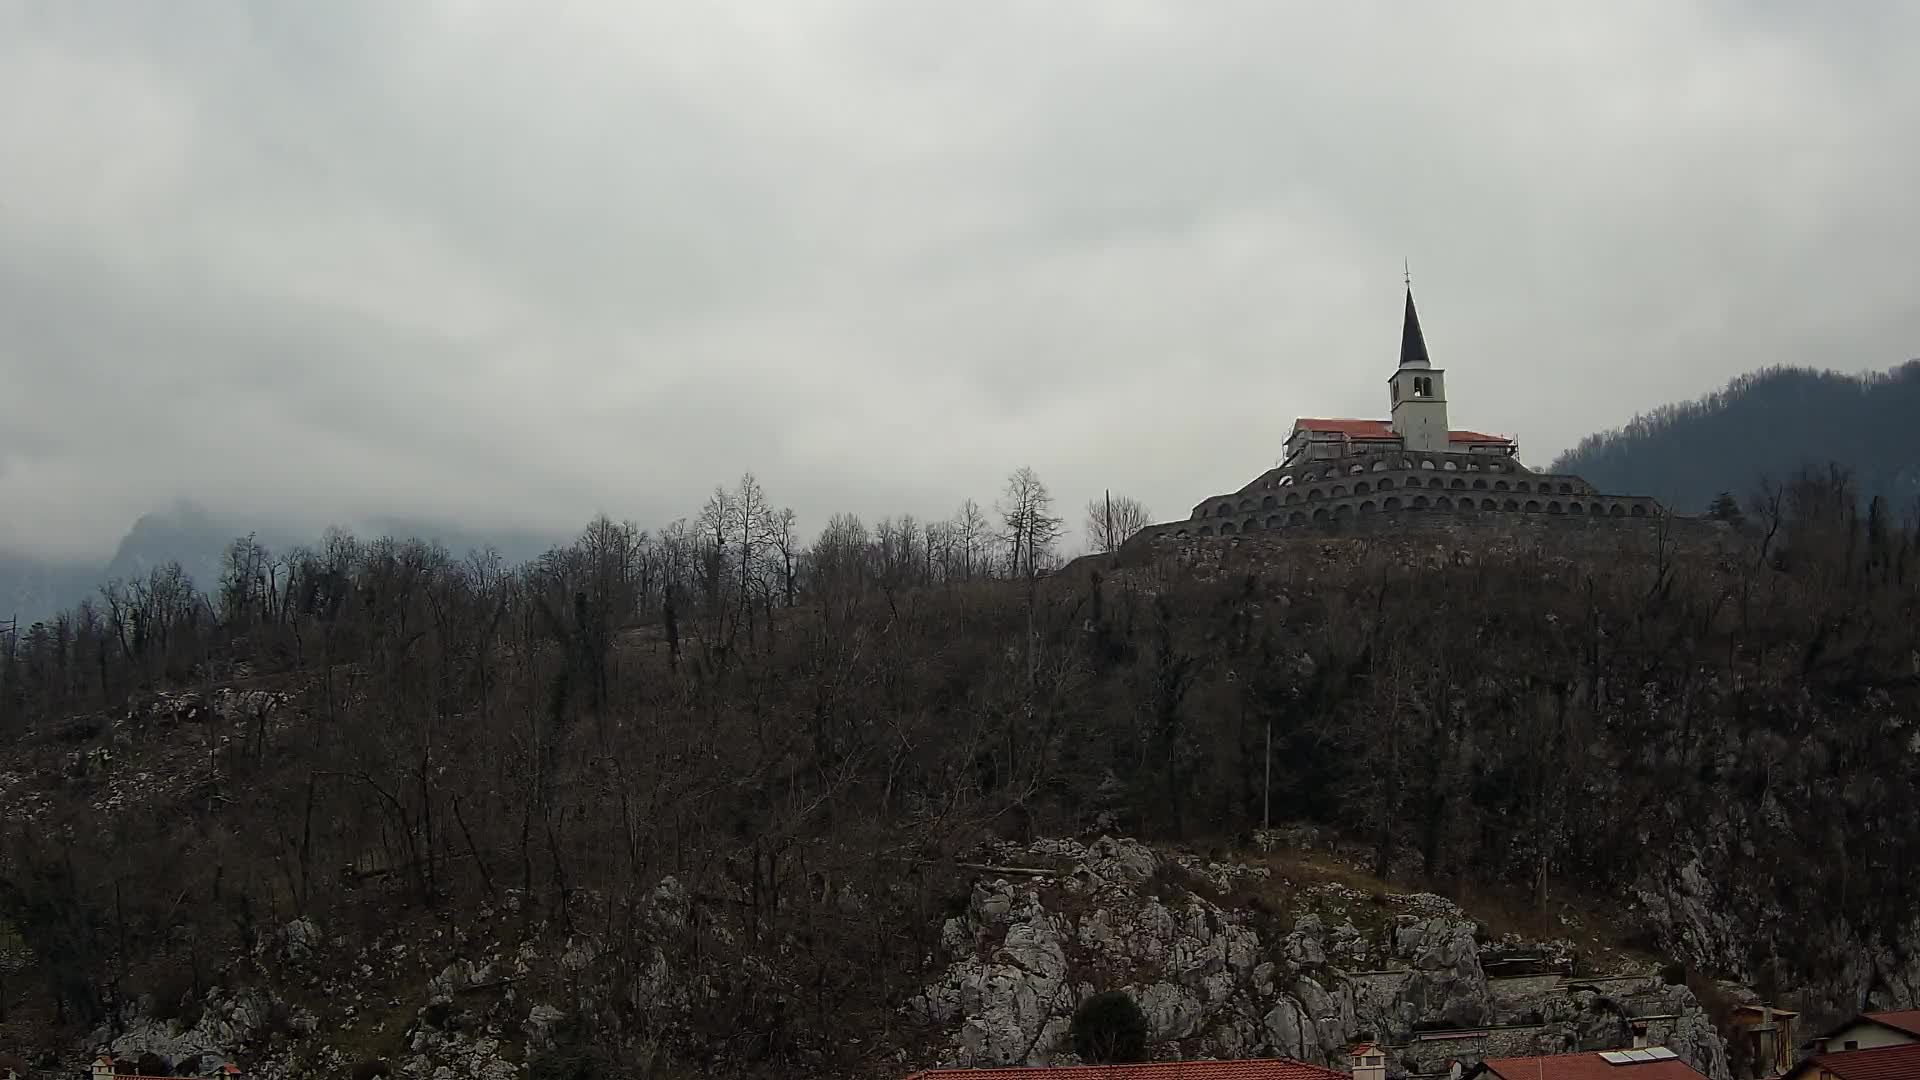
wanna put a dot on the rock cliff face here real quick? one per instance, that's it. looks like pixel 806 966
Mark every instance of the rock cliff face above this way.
pixel 1220 979
pixel 1276 955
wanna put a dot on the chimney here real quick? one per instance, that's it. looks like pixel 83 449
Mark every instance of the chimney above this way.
pixel 102 1068
pixel 1369 1062
pixel 1640 1035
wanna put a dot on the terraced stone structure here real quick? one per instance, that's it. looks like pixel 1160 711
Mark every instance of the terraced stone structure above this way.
pixel 1339 471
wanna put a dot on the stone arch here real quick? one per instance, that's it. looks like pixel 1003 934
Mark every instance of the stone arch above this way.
pixel 1298 517
pixel 1419 502
pixel 1443 503
pixel 1426 463
pixel 1356 470
pixel 1361 488
pixel 1367 507
pixel 1533 506
pixel 1273 522
pixel 1450 466
pixel 1436 482
pixel 1386 483
pixel 1616 510
pixel 1250 525
pixel 1180 534
pixel 1494 466
pixel 1380 465
pixel 1339 491
pixel 1226 528
pixel 1520 485
pixel 1473 466
pixel 1639 510
pixel 1575 508
pixel 1554 507
pixel 1566 489
pixel 1246 504
pixel 1293 497
pixel 1489 504
pixel 1320 514
pixel 1501 485
pixel 1314 494
pixel 1266 503
pixel 1223 509
pixel 1286 481
pixel 1458 484
pixel 1479 485
pixel 1392 504
pixel 1206 530
pixel 1511 504
pixel 1343 512
pixel 1466 505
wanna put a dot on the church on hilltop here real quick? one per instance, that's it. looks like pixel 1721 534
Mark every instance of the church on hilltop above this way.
pixel 1335 471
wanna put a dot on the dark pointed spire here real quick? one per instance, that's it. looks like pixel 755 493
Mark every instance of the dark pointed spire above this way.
pixel 1413 344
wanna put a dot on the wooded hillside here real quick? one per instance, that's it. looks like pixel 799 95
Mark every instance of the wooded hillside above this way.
pixel 1762 428
pixel 781 729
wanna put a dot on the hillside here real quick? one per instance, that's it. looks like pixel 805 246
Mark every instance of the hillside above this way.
pixel 1764 427
pixel 634 810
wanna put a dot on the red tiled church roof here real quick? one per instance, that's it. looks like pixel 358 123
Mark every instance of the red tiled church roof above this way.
pixel 1272 1069
pixel 1381 429
pixel 1881 1063
pixel 1588 1066
pixel 1356 429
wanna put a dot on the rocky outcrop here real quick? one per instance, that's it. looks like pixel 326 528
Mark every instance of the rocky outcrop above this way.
pixel 1216 980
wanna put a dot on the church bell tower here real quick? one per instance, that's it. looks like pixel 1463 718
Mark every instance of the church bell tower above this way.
pixel 1419 391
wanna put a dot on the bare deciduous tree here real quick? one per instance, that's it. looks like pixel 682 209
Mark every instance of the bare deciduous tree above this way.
pixel 1029 527
pixel 1113 519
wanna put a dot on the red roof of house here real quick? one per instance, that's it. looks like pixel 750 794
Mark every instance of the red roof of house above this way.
pixel 1589 1066
pixel 1907 1020
pixel 1881 1063
pixel 1272 1069
pixel 1381 429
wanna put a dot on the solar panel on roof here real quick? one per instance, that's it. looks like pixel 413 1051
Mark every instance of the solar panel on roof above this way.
pixel 1615 1057
pixel 1661 1053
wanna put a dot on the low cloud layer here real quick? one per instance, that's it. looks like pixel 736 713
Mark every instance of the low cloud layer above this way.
pixel 514 264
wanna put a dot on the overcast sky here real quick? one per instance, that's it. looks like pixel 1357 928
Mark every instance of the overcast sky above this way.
pixel 520 263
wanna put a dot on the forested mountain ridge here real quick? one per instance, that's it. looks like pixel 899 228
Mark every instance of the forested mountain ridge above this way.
pixel 1761 428
pixel 711 802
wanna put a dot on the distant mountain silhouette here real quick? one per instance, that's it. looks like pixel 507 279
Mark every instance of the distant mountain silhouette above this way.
pixel 1765 424
pixel 197 539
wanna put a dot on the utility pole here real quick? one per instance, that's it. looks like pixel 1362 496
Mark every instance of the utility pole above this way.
pixel 1266 783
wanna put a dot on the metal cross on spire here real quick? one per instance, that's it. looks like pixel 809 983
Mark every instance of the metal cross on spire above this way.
pixel 1408 275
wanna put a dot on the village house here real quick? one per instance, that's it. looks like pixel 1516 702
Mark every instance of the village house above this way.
pixel 1763 1036
pixel 1897 1062
pixel 1368 1063
pixel 1869 1031
pixel 1871 1046
pixel 1645 1063
pixel 105 1067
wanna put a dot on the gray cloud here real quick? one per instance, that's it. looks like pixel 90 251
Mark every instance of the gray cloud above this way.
pixel 518 264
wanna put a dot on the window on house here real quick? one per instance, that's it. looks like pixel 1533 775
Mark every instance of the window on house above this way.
pixel 1852 1044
